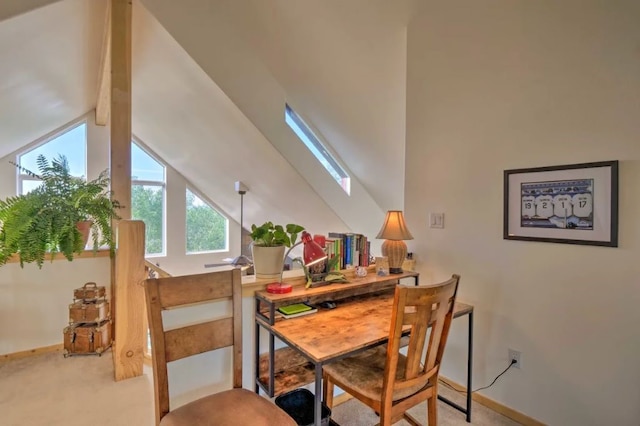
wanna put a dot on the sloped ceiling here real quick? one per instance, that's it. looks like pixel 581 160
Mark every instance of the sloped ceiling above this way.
pixel 344 69
pixel 49 62
pixel 189 121
pixel 343 64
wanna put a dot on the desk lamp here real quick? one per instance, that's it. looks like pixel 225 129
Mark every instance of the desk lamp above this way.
pixel 312 253
pixel 394 231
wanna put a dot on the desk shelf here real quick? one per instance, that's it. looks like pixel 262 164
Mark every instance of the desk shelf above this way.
pixel 292 371
pixel 267 303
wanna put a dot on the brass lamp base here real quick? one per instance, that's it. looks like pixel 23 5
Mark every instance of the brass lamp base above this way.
pixel 396 251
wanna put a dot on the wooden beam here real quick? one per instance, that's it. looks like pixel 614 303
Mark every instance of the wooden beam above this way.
pixel 103 101
pixel 121 104
pixel 130 327
pixel 127 357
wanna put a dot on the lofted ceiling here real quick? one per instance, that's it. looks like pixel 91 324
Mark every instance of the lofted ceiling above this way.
pixel 210 103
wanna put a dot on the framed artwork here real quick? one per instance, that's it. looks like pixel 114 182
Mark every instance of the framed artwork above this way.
pixel 570 204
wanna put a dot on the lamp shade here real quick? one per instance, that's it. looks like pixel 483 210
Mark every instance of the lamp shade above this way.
pixel 312 252
pixel 394 227
pixel 394 231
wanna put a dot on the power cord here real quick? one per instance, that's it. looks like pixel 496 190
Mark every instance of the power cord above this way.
pixel 513 361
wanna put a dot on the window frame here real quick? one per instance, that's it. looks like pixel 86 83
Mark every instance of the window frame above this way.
pixel 22 177
pixel 211 206
pixel 319 148
pixel 162 185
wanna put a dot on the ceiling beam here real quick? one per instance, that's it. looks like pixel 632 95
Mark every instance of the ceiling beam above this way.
pixel 103 101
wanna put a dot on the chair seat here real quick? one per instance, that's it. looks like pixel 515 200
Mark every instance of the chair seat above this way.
pixel 365 373
pixel 229 408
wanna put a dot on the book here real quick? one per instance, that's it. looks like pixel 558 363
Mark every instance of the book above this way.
pixel 296 310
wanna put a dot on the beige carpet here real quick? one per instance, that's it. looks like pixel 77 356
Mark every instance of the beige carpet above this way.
pixel 78 391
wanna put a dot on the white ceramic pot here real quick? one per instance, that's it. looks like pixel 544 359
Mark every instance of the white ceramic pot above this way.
pixel 267 261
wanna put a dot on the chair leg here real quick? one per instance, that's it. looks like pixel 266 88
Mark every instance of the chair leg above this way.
pixel 432 410
pixel 411 420
pixel 327 391
pixel 385 418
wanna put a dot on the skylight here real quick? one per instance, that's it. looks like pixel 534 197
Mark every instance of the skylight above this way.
pixel 313 143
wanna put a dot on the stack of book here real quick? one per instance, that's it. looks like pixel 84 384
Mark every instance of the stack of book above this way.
pixel 352 249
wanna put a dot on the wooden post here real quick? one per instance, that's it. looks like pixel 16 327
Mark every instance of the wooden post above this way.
pixel 120 113
pixel 129 345
pixel 121 104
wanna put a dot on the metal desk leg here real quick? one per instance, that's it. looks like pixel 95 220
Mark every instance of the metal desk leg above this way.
pixel 317 409
pixel 257 358
pixel 272 381
pixel 466 410
pixel 469 366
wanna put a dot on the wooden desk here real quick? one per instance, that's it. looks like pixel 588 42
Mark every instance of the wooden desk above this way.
pixel 361 321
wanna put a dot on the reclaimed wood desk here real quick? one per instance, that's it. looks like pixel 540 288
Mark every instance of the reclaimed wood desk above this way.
pixel 361 321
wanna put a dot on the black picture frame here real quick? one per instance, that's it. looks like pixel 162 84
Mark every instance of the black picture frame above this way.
pixel 568 204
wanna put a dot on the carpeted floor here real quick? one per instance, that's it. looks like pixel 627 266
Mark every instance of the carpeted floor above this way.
pixel 78 391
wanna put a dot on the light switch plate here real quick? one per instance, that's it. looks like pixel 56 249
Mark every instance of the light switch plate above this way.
pixel 436 220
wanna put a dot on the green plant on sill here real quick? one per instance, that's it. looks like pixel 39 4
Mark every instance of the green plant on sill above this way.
pixel 270 235
pixel 45 219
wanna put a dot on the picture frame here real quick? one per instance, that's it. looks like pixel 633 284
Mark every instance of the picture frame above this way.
pixel 568 204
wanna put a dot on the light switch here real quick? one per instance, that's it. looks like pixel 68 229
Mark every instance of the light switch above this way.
pixel 436 220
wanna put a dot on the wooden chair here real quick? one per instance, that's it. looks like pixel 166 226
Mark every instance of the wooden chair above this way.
pixel 236 406
pixel 388 381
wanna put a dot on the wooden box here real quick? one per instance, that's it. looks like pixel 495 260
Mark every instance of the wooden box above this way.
pixel 87 339
pixel 89 291
pixel 81 312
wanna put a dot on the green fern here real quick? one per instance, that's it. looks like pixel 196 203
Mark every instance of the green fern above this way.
pixel 44 220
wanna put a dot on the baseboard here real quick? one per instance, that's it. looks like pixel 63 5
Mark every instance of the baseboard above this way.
pixel 342 398
pixel 31 352
pixel 494 405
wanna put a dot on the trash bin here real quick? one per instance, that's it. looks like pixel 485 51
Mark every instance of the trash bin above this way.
pixel 299 404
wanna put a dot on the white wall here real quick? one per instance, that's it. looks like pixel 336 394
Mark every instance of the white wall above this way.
pixel 498 85
pixel 30 296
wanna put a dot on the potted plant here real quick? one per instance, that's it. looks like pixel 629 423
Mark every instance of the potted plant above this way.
pixel 51 218
pixel 268 246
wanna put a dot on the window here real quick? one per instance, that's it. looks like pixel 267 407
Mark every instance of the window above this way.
pixel 71 142
pixel 148 198
pixel 206 228
pixel 313 143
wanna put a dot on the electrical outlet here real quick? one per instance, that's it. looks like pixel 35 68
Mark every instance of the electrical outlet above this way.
pixel 513 354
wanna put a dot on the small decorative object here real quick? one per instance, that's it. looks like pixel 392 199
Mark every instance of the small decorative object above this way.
pixel 571 204
pixel 382 266
pixel 394 230
pixel 51 218
pixel 361 271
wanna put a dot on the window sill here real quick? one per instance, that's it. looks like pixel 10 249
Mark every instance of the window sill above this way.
pixel 58 256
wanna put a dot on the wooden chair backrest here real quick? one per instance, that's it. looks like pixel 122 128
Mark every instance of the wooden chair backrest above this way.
pixel 419 308
pixel 192 339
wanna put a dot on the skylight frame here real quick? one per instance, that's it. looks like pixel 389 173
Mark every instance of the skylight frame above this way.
pixel 315 145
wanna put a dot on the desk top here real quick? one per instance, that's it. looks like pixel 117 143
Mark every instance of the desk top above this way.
pixel 355 324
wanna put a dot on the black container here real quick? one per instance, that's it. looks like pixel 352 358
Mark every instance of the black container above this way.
pixel 299 404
